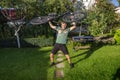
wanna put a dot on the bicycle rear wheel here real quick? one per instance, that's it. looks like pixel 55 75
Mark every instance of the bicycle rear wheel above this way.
pixel 73 16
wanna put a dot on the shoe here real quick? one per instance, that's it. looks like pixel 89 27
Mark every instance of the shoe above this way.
pixel 52 64
pixel 71 65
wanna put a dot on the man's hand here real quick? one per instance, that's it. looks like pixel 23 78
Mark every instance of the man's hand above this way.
pixel 48 19
pixel 73 23
pixel 73 26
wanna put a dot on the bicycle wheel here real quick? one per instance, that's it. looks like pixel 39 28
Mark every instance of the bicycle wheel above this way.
pixel 73 16
pixel 40 20
pixel 43 19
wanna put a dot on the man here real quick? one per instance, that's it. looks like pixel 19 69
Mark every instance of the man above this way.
pixel 62 34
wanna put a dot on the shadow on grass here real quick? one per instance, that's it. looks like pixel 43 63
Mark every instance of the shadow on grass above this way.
pixel 24 64
pixel 88 53
pixel 117 75
pixel 92 49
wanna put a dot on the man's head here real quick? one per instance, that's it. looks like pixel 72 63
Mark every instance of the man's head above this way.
pixel 63 24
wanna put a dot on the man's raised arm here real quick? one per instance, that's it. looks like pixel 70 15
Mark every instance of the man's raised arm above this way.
pixel 51 25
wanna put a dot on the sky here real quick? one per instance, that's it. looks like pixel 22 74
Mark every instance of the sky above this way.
pixel 115 2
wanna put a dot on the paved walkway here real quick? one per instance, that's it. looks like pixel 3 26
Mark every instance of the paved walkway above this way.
pixel 59 66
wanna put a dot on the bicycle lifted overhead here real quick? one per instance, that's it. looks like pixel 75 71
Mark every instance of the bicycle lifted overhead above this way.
pixel 67 16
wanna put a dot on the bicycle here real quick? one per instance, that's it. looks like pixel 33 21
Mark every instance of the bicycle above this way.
pixel 68 17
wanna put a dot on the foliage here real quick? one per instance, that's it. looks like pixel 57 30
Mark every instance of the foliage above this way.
pixel 27 42
pixel 117 36
pixel 101 18
pixel 32 9
pixel 40 41
pixel 118 2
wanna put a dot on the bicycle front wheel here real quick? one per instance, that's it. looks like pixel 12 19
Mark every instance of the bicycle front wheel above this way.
pixel 40 20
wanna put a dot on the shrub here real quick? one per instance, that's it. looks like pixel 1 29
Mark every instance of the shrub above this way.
pixel 40 41
pixel 117 36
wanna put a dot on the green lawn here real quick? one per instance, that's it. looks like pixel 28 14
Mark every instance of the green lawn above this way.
pixel 97 63
pixel 25 64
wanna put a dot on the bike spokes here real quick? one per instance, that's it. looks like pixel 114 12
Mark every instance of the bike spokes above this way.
pixel 75 16
pixel 67 17
pixel 42 19
pixel 38 20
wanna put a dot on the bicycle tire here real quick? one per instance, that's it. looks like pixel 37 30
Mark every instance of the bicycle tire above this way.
pixel 73 16
pixel 40 20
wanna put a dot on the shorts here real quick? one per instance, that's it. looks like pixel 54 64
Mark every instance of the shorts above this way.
pixel 61 47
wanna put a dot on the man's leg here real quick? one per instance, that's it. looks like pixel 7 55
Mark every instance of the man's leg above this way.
pixel 65 51
pixel 52 57
pixel 54 51
pixel 69 60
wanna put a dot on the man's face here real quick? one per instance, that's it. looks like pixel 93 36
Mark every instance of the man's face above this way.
pixel 63 25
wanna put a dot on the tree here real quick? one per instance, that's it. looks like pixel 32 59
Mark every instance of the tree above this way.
pixel 35 8
pixel 101 18
pixel 118 2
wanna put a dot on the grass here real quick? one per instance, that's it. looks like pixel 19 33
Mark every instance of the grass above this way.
pixel 25 64
pixel 97 63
